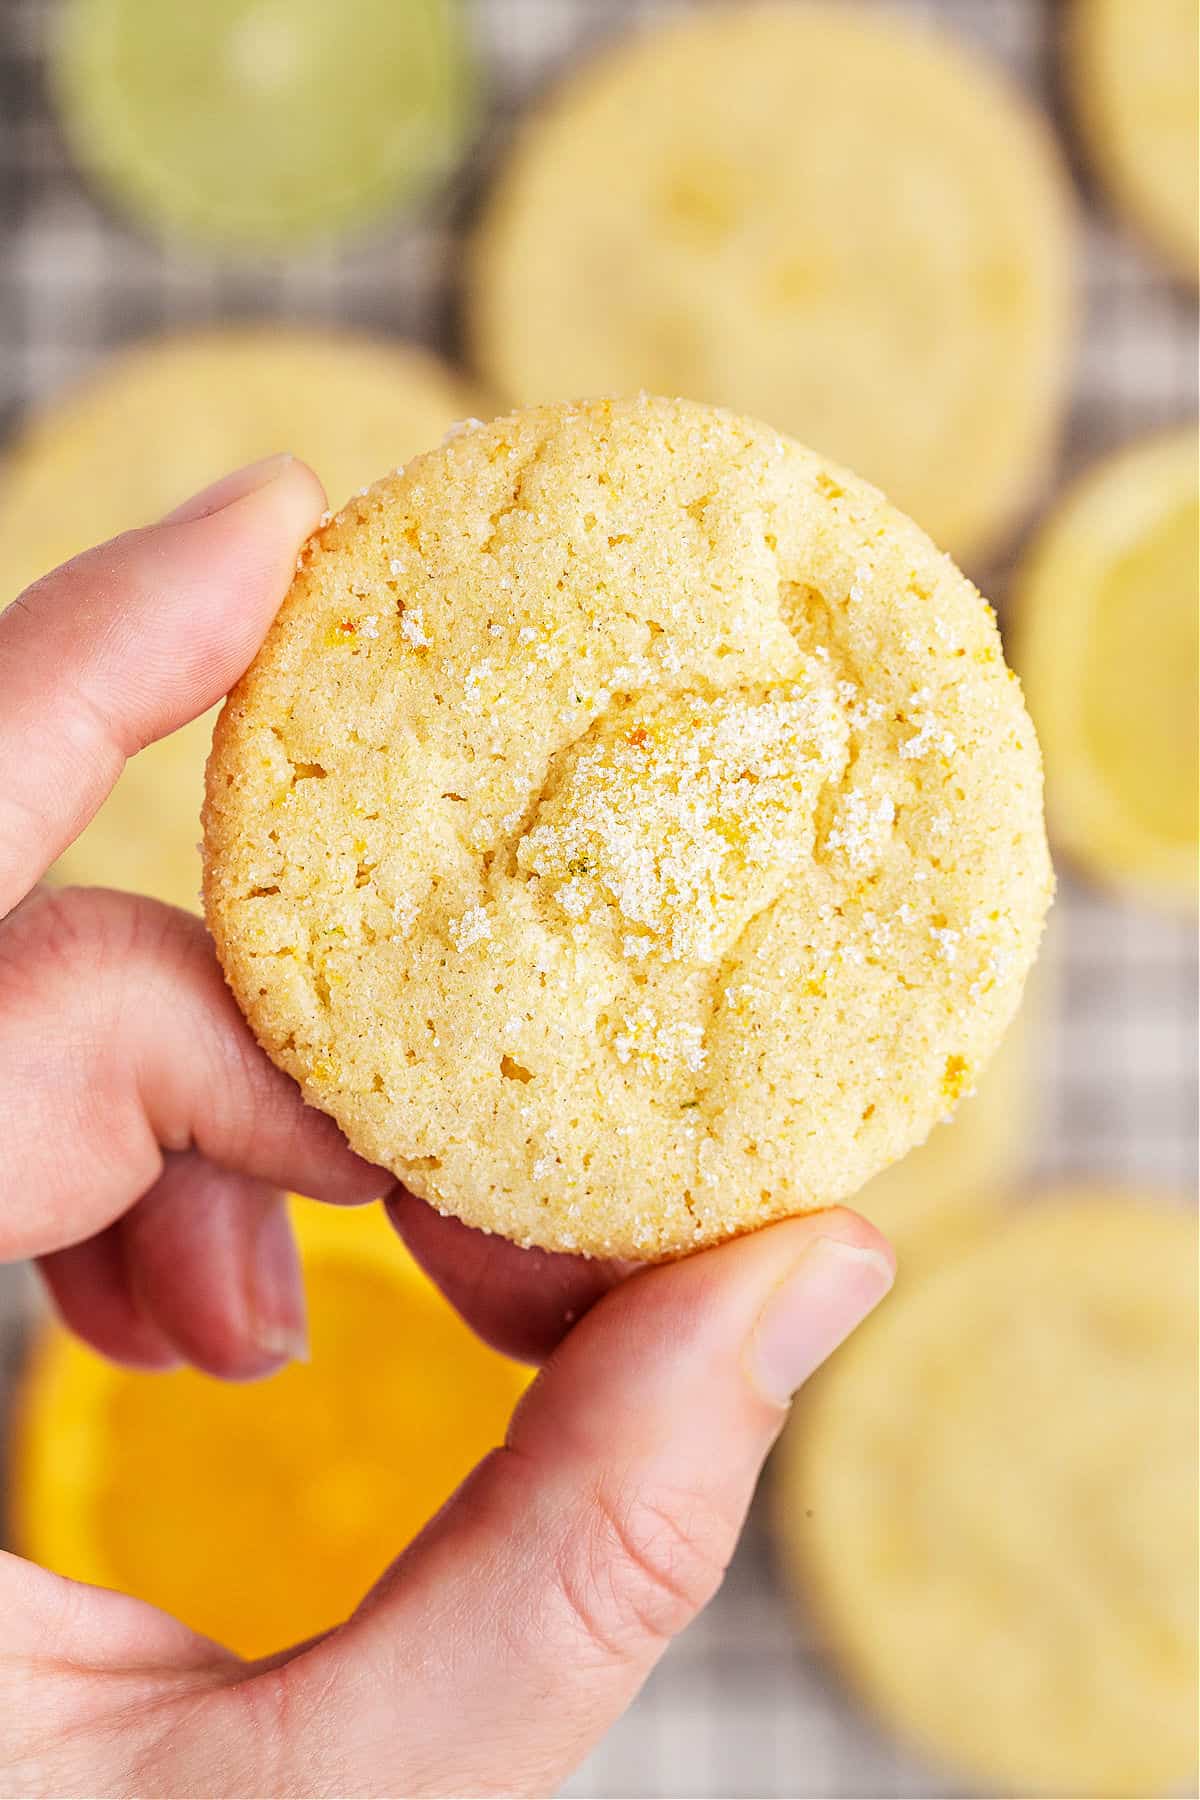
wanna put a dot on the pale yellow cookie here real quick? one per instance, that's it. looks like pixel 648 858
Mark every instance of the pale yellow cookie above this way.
pixel 1133 66
pixel 820 216
pixel 989 1499
pixel 1107 602
pixel 153 426
pixel 629 830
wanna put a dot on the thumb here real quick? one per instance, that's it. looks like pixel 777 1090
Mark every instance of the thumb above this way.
pixel 523 1621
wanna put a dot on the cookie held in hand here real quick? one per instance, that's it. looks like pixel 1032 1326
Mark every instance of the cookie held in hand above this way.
pixel 629 830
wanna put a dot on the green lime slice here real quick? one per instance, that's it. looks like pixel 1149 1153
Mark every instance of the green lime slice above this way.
pixel 258 124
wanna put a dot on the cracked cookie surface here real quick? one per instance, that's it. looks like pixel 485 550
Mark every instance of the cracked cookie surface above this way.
pixel 629 830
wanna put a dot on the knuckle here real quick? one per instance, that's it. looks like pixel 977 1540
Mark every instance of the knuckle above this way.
pixel 644 1568
pixel 64 934
pixel 266 1717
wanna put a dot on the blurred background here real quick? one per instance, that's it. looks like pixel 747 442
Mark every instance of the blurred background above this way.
pixel 305 218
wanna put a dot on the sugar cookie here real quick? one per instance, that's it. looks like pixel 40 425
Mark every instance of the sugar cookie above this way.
pixel 819 216
pixel 153 426
pixel 1137 92
pixel 629 830
pixel 989 1499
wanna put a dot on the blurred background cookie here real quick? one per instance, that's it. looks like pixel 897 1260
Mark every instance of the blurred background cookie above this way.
pixel 816 215
pixel 1107 646
pixel 261 1513
pixel 989 1499
pixel 156 425
pixel 986 1146
pixel 259 124
pixel 1133 72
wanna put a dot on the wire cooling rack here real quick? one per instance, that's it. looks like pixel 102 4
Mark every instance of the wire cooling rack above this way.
pixel 741 1705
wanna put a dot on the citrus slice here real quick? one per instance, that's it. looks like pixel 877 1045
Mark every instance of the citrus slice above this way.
pixel 262 1513
pixel 155 425
pixel 1137 91
pixel 1107 648
pixel 989 1500
pixel 262 123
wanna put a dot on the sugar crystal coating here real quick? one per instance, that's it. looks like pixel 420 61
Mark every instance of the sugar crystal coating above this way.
pixel 562 842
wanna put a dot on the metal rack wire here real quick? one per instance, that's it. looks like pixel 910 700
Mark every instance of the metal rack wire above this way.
pixel 742 1704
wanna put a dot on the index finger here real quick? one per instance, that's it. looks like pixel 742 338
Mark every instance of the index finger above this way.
pixel 129 641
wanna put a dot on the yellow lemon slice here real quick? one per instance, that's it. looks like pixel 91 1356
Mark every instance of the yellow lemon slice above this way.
pixel 1137 90
pixel 261 123
pixel 989 1499
pixel 261 1514
pixel 1107 648
pixel 151 427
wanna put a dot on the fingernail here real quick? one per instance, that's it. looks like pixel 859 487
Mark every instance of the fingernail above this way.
pixel 278 1316
pixel 831 1290
pixel 233 487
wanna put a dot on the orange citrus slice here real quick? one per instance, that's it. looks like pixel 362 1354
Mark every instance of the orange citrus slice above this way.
pixel 261 1514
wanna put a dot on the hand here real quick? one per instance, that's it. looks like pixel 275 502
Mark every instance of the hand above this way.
pixel 147 1142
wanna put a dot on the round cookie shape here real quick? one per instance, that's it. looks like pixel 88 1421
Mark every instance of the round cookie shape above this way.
pixel 828 219
pixel 989 1499
pixel 1137 94
pixel 158 421
pixel 156 424
pixel 629 830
